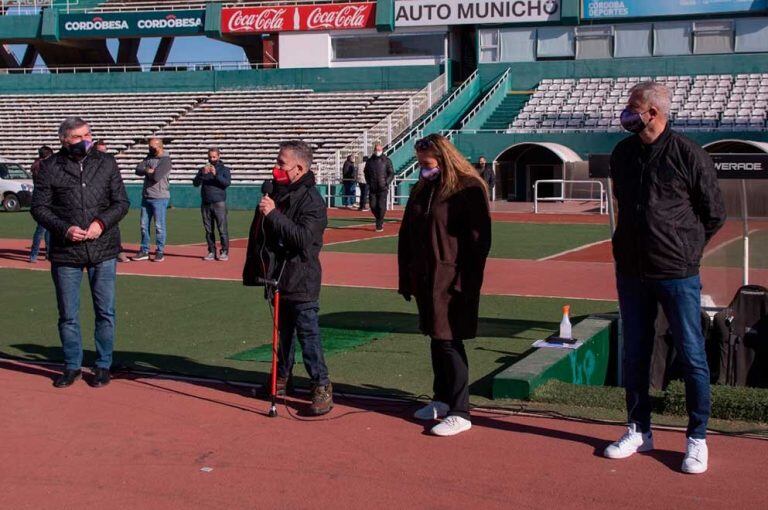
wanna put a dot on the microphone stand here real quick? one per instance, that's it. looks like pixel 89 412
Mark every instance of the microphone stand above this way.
pixel 274 291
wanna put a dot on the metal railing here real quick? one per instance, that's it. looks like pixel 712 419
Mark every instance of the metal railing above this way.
pixel 173 66
pixel 418 130
pixel 23 7
pixel 501 82
pixel 387 130
pixel 562 198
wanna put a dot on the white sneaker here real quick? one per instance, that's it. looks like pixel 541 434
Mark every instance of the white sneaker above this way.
pixel 696 456
pixel 435 410
pixel 451 426
pixel 632 441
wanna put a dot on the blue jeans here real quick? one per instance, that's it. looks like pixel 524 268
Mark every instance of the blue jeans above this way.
pixel 681 301
pixel 40 232
pixel 153 208
pixel 67 281
pixel 349 193
pixel 300 320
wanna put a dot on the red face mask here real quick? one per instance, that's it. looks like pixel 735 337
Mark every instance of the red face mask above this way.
pixel 280 176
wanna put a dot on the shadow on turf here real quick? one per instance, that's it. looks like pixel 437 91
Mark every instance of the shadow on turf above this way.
pixel 408 323
pixel 17 255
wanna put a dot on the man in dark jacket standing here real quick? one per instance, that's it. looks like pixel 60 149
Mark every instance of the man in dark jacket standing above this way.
pixel 155 195
pixel 348 177
pixel 79 198
pixel 379 175
pixel 486 172
pixel 669 207
pixel 284 245
pixel 214 178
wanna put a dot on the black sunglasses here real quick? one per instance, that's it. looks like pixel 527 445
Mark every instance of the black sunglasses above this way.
pixel 425 143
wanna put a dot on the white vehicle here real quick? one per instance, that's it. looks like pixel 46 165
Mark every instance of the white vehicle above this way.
pixel 15 186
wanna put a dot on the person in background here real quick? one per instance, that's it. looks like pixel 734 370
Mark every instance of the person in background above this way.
pixel 445 237
pixel 486 172
pixel 156 169
pixel 362 185
pixel 43 153
pixel 379 174
pixel 101 146
pixel 84 237
pixel 213 180
pixel 349 179
pixel 669 207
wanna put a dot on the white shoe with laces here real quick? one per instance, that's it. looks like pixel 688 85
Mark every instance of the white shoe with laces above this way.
pixel 696 456
pixel 435 410
pixel 632 441
pixel 451 426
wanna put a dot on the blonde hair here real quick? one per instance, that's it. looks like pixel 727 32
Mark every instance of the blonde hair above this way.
pixel 456 172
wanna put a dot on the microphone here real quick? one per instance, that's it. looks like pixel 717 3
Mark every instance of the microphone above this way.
pixel 267 188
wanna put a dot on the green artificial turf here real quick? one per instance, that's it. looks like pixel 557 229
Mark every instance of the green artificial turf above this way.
pixel 197 327
pixel 185 226
pixel 510 240
pixel 732 255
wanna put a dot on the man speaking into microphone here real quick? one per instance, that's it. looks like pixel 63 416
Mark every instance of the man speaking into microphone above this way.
pixel 284 246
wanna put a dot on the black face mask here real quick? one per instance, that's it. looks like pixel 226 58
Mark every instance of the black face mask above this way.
pixel 152 152
pixel 80 149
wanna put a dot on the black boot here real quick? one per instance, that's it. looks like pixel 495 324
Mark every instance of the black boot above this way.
pixel 67 378
pixel 101 377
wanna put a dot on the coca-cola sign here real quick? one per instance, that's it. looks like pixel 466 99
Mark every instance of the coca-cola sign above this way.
pixel 298 18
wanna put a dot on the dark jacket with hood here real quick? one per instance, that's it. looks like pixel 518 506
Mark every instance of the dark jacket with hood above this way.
pixel 669 204
pixel 379 173
pixel 286 244
pixel 70 193
pixel 214 187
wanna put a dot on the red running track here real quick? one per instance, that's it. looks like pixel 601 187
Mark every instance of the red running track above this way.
pixel 142 443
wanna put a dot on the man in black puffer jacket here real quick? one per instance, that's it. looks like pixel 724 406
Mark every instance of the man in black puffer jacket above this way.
pixel 79 198
pixel 670 206
pixel 379 174
pixel 284 245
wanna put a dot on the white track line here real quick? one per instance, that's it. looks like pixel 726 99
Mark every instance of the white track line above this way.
pixel 359 240
pixel 722 245
pixel 578 248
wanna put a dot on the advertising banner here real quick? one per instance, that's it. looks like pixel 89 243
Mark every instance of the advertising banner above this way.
pixel 131 24
pixel 417 13
pixel 741 166
pixel 596 9
pixel 285 18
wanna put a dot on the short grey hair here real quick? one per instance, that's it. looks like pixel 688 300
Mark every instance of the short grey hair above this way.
pixel 70 124
pixel 654 94
pixel 300 149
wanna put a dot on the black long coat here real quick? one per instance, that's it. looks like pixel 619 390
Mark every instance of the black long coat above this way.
pixel 442 251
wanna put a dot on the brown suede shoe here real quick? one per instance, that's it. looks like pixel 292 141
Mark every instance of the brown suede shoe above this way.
pixel 322 400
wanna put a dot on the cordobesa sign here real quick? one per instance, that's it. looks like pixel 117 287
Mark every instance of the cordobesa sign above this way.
pixel 416 13
pixel 125 24
pixel 285 18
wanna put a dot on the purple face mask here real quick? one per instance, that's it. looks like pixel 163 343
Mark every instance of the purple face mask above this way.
pixel 632 121
pixel 430 174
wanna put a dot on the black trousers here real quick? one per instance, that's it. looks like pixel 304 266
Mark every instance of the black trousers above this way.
pixel 451 369
pixel 379 206
pixel 215 215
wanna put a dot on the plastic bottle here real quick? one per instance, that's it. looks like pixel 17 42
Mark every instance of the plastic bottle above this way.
pixel 565 324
